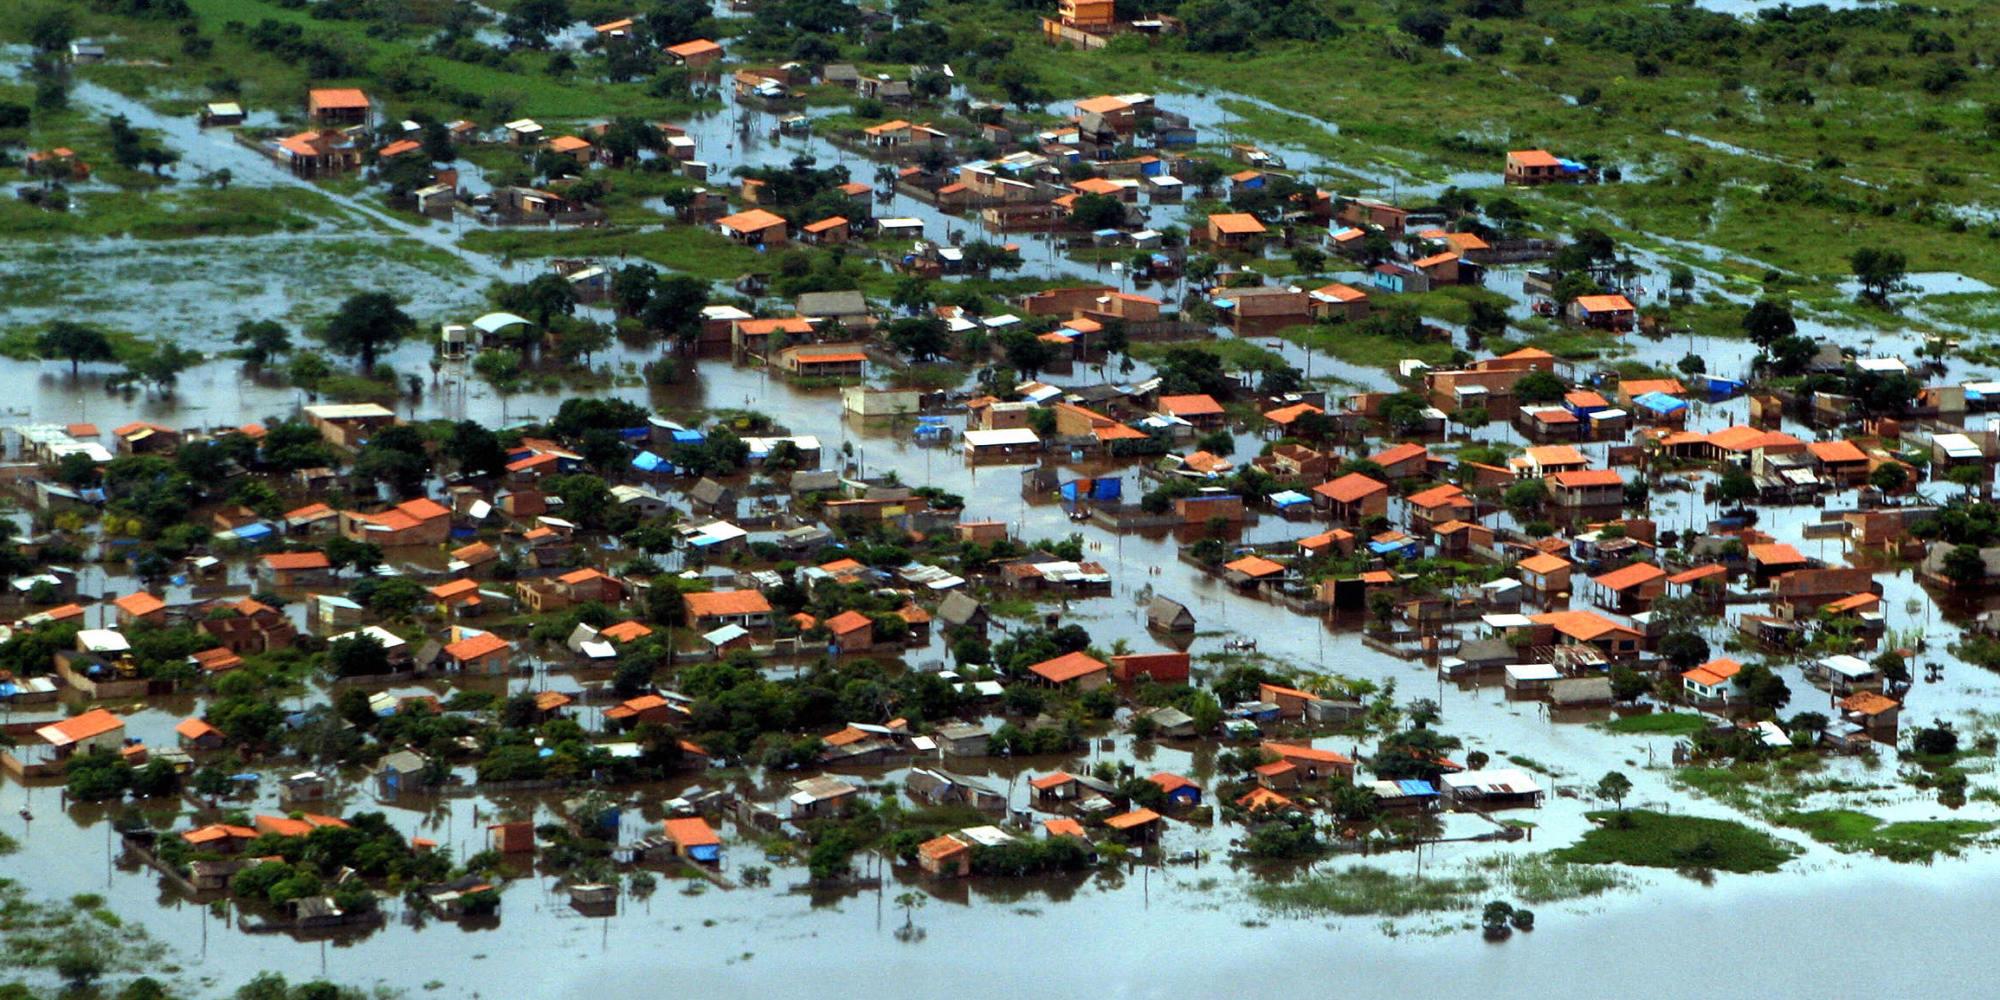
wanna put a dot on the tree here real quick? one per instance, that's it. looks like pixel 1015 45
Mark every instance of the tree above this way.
pixel 1526 496
pixel 1693 364
pixel 500 369
pixel 1889 477
pixel 531 22
pixel 1964 565
pixel 365 324
pixel 1485 320
pixel 1878 271
pixel 1426 24
pixel 632 288
pixel 79 966
pixel 1736 485
pixel 74 342
pixel 1628 684
pixel 1092 212
pixel 261 340
pixel 1495 919
pixel 1540 387
pixel 675 309
pixel 159 369
pixel 1026 353
pixel 1762 688
pixel 1768 322
pixel 1939 740
pixel 474 449
pixel 540 300
pixel 923 338
pixel 1614 786
pixel 1684 649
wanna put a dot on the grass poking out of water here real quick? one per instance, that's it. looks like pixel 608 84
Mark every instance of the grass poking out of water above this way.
pixel 1647 839
pixel 1360 891
pixel 1539 878
pixel 1658 724
pixel 1921 840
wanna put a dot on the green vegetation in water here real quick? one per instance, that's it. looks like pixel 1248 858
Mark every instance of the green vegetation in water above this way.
pixel 1539 878
pixel 1648 839
pixel 1919 840
pixel 1360 890
pixel 1658 724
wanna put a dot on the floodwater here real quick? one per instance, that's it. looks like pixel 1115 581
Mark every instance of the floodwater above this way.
pixel 1145 931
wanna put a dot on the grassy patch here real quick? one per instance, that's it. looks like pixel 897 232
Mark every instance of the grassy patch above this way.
pixel 1360 891
pixel 1234 352
pixel 1658 724
pixel 1648 839
pixel 1539 878
pixel 1357 346
pixel 1920 840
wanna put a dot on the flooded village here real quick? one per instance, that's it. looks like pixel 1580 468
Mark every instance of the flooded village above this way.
pixel 534 498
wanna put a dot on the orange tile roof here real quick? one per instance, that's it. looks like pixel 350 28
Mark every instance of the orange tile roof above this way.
pixel 1170 782
pixel 338 98
pixel 710 604
pixel 1350 488
pixel 1604 303
pixel 626 631
pixel 694 47
pixel 398 148
pixel 755 220
pixel 568 144
pixel 1627 577
pixel 1068 667
pixel 194 729
pixel 1294 752
pixel 474 647
pixel 1776 554
pixel 218 831
pixel 1534 158
pixel 1236 223
pixel 830 358
pixel 942 847
pixel 831 222
pixel 1837 451
pixel 283 826
pixel 1285 415
pixel 309 511
pixel 692 831
pixel 1399 454
pixel 1194 405
pixel 1868 703
pixel 1261 798
pixel 1583 478
pixel 456 588
pixel 297 560
pixel 217 660
pixel 1102 105
pixel 1544 563
pixel 1438 496
pixel 1698 573
pixel 1714 673
pixel 1581 625
pixel 1133 820
pixel 1048 781
pixel 1854 602
pixel 140 604
pixel 549 701
pixel 1063 826
pixel 1254 566
pixel 1642 386
pixel 847 621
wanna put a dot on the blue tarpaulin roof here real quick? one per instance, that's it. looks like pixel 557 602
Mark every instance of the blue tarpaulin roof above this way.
pixel 688 437
pixel 646 461
pixel 1660 402
pixel 1289 498
pixel 1384 548
pixel 254 532
pixel 1414 786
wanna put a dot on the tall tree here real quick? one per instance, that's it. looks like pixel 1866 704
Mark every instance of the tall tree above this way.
pixel 75 343
pixel 365 324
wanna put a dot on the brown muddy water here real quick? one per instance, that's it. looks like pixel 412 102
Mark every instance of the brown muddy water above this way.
pixel 1828 922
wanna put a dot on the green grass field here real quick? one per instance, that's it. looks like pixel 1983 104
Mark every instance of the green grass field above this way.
pixel 1648 839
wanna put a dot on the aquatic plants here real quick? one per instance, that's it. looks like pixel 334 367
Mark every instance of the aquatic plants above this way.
pixel 1648 839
